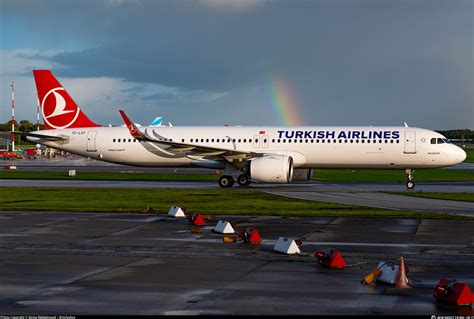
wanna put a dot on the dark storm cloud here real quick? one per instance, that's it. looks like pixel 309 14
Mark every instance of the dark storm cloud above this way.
pixel 348 62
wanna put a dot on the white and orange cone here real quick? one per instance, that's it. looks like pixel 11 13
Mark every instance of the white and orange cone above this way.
pixel 402 280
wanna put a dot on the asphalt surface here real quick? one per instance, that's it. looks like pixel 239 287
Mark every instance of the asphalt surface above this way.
pixel 88 263
pixel 382 200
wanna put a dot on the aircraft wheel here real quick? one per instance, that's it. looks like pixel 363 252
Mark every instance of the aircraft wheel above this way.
pixel 226 181
pixel 243 180
pixel 410 185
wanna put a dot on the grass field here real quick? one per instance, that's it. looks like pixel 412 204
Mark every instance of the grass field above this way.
pixel 324 175
pixel 470 155
pixel 231 202
pixel 466 197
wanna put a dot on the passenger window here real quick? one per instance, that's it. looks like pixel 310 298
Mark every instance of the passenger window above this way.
pixel 119 140
pixel 207 140
pixel 239 140
pixel 113 140
pixel 182 140
pixel 212 140
pixel 278 140
pixel 245 140
pixel 284 141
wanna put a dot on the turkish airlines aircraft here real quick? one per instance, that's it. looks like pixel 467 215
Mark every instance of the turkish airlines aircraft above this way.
pixel 264 154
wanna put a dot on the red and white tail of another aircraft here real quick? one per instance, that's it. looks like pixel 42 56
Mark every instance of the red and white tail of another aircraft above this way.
pixel 264 154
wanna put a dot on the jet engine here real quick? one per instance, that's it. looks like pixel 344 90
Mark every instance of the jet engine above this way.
pixel 272 169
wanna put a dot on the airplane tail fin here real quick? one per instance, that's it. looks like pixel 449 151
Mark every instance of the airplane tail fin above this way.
pixel 58 109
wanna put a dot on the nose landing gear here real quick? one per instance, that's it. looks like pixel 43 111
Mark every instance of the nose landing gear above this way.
pixel 410 183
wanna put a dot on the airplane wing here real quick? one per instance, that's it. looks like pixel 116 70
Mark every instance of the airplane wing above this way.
pixel 189 149
pixel 43 136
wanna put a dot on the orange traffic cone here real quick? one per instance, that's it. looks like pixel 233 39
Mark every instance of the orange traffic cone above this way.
pixel 402 280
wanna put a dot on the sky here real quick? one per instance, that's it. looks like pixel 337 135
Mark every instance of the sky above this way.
pixel 246 62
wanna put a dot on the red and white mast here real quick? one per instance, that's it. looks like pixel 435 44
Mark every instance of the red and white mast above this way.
pixel 13 116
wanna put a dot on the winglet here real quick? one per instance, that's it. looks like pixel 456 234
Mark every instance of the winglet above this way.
pixel 132 128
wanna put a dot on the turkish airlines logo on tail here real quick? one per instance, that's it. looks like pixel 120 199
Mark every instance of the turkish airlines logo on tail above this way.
pixel 54 109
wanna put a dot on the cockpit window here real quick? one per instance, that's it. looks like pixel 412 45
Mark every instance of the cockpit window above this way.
pixel 439 140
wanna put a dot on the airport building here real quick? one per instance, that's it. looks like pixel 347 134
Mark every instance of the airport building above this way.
pixel 5 141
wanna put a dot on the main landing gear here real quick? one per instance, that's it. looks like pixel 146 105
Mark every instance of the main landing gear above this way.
pixel 227 181
pixel 410 183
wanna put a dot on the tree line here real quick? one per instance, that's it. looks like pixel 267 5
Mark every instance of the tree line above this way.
pixel 464 134
pixel 22 126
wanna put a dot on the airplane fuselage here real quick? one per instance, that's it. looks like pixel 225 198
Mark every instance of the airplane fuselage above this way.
pixel 309 146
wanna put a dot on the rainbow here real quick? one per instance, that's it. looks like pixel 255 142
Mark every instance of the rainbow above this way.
pixel 283 102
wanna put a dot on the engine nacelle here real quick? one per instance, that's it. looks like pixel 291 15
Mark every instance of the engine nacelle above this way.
pixel 302 174
pixel 272 169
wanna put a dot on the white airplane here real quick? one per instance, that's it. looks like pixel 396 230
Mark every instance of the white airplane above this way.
pixel 263 154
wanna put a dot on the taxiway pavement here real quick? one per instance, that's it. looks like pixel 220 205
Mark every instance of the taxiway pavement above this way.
pixel 89 263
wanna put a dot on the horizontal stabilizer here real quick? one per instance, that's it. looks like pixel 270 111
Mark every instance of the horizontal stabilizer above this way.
pixel 42 136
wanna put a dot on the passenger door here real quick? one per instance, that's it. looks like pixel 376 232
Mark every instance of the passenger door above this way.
pixel 256 141
pixel 410 142
pixel 91 135
pixel 264 141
